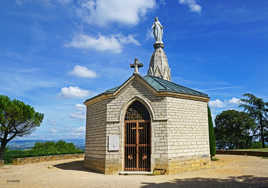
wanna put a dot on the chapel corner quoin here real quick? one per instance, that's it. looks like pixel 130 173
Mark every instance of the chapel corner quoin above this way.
pixel 148 123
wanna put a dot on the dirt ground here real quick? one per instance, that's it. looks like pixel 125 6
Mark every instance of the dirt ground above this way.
pixel 229 171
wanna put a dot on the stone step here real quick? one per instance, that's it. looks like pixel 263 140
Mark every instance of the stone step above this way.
pixel 135 173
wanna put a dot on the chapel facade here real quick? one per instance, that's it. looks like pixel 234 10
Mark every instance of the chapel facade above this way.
pixel 148 124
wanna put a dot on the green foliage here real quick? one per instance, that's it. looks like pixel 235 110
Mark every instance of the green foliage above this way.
pixel 256 145
pixel 233 130
pixel 42 149
pixel 16 120
pixel 12 154
pixel 54 148
pixel 214 159
pixel 258 110
pixel 265 128
pixel 212 140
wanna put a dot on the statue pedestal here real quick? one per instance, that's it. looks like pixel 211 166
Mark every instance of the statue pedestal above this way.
pixel 159 63
pixel 158 45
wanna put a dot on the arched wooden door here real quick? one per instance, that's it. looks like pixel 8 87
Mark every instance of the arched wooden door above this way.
pixel 137 138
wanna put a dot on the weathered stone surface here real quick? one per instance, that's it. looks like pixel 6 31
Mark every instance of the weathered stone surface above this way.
pixel 95 147
pixel 27 160
pixel 179 131
pixel 159 63
pixel 187 128
pixel 115 123
pixel 95 164
pixel 157 31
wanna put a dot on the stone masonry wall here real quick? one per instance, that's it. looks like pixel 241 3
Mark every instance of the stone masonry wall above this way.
pixel 188 137
pixel 37 159
pixel 115 125
pixel 179 127
pixel 96 136
pixel 135 88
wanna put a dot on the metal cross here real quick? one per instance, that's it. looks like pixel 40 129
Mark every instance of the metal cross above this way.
pixel 136 66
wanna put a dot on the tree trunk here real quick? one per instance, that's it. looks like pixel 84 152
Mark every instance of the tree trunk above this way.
pixel 2 150
pixel 262 134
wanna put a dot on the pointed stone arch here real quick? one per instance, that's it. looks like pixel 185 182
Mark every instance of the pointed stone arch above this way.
pixel 137 138
pixel 141 100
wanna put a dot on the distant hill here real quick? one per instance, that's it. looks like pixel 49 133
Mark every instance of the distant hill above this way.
pixel 27 144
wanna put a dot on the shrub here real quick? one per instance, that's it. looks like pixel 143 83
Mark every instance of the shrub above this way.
pixel 42 149
pixel 212 140
pixel 256 145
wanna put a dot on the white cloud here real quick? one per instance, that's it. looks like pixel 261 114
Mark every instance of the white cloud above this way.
pixel 113 43
pixel 127 39
pixel 149 34
pixel 78 132
pixel 78 115
pixel 101 43
pixel 80 112
pixel 74 92
pixel 80 107
pixel 83 72
pixel 102 12
pixel 192 4
pixel 225 104
pixel 53 130
pixel 80 129
pixel 51 122
pixel 234 100
pixel 217 103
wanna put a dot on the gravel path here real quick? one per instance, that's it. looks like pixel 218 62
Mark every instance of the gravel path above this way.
pixel 229 171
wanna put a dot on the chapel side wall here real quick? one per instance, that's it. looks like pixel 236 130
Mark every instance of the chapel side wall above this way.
pixel 115 125
pixel 95 136
pixel 188 136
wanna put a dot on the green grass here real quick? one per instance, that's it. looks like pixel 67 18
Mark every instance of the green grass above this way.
pixel 214 159
pixel 258 149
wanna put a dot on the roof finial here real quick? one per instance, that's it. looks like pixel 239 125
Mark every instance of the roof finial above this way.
pixel 159 63
pixel 136 65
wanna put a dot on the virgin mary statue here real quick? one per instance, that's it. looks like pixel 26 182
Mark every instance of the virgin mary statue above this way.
pixel 157 31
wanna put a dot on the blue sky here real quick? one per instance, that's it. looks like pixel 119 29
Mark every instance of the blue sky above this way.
pixel 54 54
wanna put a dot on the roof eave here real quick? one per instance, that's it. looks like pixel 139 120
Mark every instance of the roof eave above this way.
pixel 98 98
pixel 104 95
pixel 183 96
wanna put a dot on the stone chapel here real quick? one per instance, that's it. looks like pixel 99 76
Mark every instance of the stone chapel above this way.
pixel 148 124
